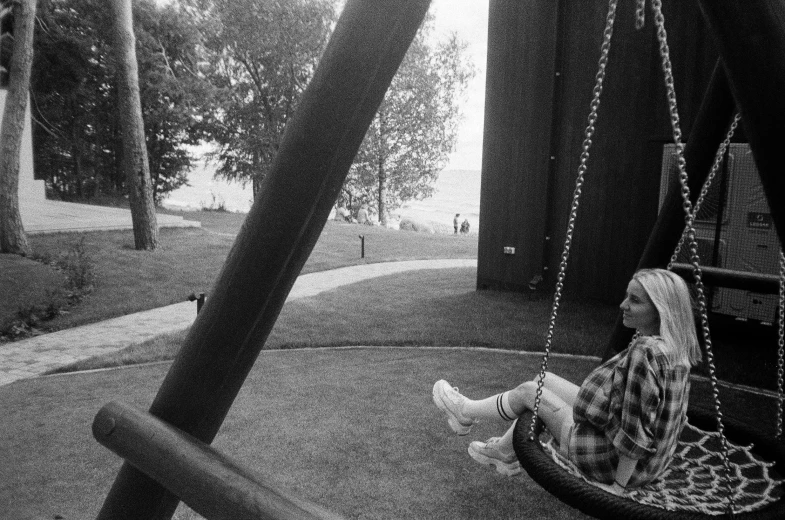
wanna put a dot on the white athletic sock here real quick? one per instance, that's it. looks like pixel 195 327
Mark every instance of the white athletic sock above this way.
pixel 490 408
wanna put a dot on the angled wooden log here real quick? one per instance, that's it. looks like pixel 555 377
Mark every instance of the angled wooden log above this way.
pixel 750 36
pixel 320 142
pixel 211 483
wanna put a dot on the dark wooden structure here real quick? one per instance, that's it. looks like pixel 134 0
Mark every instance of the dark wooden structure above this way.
pixel 542 61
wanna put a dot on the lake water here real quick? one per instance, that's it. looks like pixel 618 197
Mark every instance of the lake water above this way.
pixel 457 191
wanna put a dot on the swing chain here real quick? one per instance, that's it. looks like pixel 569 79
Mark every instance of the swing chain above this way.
pixel 718 158
pixel 587 142
pixel 781 349
pixel 691 240
pixel 640 14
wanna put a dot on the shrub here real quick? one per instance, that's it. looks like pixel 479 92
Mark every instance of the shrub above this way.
pixel 78 267
pixel 30 316
pixel 218 204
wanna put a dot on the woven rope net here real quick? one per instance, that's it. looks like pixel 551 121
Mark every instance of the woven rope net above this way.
pixel 694 481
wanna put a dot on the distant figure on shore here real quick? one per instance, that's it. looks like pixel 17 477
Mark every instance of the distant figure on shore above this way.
pixel 455 222
pixel 342 214
pixel 465 226
pixel 362 215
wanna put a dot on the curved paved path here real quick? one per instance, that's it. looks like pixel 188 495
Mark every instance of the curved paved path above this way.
pixel 34 356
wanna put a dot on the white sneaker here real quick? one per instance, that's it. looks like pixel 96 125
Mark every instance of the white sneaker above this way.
pixel 489 453
pixel 450 401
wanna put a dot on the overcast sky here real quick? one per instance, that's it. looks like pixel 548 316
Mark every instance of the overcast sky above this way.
pixel 469 18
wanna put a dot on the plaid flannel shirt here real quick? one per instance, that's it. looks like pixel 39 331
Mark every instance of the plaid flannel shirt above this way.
pixel 634 404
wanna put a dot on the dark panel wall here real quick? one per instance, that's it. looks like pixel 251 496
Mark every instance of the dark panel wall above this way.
pixel 619 200
pixel 519 95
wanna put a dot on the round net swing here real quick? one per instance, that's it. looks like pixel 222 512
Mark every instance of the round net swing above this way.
pixel 721 468
pixel 693 486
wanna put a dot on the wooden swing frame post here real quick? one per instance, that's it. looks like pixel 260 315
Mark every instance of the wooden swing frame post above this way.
pixel 750 36
pixel 751 77
pixel 318 147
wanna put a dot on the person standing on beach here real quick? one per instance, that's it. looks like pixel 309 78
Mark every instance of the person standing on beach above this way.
pixel 455 222
pixel 362 215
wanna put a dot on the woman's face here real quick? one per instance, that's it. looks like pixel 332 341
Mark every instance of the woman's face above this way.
pixel 638 310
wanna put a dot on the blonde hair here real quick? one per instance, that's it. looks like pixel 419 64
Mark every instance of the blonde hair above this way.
pixel 671 297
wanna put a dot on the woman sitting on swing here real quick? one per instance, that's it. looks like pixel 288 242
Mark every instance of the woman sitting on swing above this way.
pixel 622 425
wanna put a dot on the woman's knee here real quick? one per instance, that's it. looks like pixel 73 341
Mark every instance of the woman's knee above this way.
pixel 525 391
pixel 522 397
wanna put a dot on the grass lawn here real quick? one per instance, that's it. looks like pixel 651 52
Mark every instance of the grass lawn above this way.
pixel 189 260
pixel 443 308
pixel 437 307
pixel 353 430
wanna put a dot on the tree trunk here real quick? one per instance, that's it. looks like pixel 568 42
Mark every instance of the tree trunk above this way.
pixel 134 157
pixel 256 179
pixel 382 172
pixel 12 233
pixel 382 194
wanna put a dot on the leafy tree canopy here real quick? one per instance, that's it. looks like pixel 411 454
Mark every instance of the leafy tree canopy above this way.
pixel 262 53
pixel 414 130
pixel 74 96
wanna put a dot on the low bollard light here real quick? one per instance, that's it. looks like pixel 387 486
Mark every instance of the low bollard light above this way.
pixel 198 299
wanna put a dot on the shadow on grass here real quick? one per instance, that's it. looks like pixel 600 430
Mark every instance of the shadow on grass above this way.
pixel 437 307
pixel 442 308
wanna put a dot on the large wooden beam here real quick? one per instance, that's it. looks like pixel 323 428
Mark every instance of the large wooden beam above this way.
pixel 318 147
pixel 516 152
pixel 750 36
pixel 708 132
pixel 211 483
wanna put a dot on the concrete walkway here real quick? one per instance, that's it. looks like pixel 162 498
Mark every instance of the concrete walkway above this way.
pixel 34 356
pixel 52 216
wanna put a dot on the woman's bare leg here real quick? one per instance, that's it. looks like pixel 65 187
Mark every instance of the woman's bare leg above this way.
pixel 567 391
pixel 553 410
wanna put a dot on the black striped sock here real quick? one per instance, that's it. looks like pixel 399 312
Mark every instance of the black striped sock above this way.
pixel 500 408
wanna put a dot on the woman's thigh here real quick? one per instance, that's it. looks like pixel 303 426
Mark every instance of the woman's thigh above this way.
pixel 557 416
pixel 567 391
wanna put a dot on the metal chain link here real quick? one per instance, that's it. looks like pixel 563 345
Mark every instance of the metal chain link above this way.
pixel 718 158
pixel 781 349
pixel 640 14
pixel 589 132
pixel 659 20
